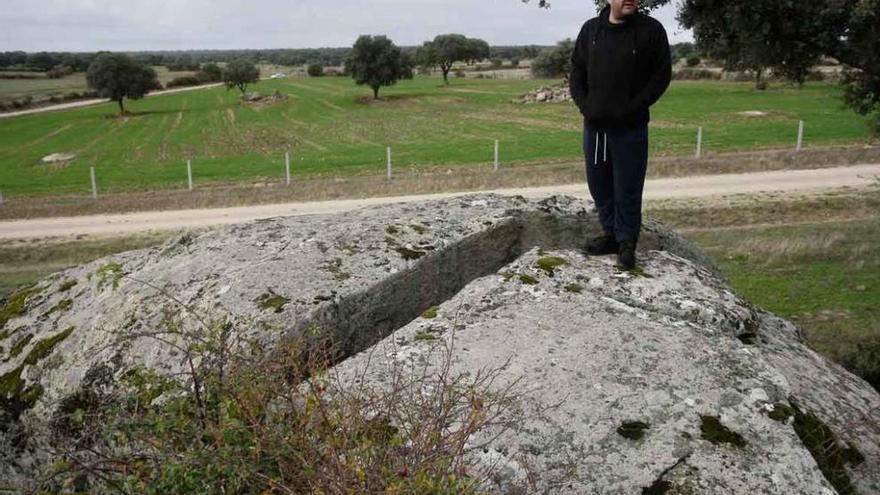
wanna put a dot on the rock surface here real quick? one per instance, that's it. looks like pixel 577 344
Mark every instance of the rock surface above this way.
pixel 672 347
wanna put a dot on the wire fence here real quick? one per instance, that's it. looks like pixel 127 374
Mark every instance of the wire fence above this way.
pixel 191 165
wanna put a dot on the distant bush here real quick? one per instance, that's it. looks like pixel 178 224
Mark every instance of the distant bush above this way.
pixel 816 75
pixel 315 70
pixel 497 63
pixel 459 73
pixel 693 61
pixel 210 73
pixel 59 71
pixel 13 75
pixel 554 62
pixel 183 81
pixel 514 63
pixel 691 74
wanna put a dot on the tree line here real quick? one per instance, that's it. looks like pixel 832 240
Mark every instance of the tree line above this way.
pixel 192 60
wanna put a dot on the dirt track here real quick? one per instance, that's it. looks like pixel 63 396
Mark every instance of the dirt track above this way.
pixel 96 101
pixel 700 186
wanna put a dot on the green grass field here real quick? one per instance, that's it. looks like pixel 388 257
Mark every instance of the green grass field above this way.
pixel 330 129
pixel 824 277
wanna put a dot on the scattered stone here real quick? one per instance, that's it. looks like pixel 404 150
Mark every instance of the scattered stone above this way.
pixel 555 94
pixel 58 157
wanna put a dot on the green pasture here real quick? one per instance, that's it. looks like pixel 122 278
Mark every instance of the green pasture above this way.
pixel 824 277
pixel 332 127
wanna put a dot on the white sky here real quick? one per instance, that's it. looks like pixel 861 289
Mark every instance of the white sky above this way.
pixel 125 25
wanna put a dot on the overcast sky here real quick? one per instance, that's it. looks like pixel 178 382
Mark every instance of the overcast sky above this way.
pixel 125 25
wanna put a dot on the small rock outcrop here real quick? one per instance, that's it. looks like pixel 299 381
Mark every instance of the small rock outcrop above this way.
pixel 660 380
pixel 544 94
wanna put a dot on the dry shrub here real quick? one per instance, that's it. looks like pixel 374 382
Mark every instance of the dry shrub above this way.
pixel 247 419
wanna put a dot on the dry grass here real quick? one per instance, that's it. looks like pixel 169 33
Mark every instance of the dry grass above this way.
pixel 421 180
pixel 749 211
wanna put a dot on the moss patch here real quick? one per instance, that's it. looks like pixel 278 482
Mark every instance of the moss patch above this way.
pixel 715 432
pixel 638 271
pixel 528 279
pixel 575 288
pixel 550 263
pixel 67 285
pixel 275 302
pixel 62 306
pixel 19 345
pixel 659 487
pixel 424 337
pixel 17 304
pixel 430 312
pixel 409 254
pixel 11 383
pixel 633 430
pixel 45 347
pixel 826 449
pixel 507 275
pixel 15 398
pixel 781 412
pixel 419 229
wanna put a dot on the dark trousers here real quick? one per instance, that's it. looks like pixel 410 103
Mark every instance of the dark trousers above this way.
pixel 616 162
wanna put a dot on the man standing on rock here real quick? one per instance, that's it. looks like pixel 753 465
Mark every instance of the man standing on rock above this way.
pixel 620 66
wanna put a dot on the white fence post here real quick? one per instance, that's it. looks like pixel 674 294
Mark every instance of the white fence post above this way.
pixel 94 185
pixel 189 174
pixel 800 141
pixel 389 162
pixel 287 166
pixel 496 155
pixel 700 142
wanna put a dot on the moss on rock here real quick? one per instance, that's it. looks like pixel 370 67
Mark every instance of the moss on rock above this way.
pixel 430 312
pixel 528 279
pixel 17 304
pixel 424 337
pixel 550 263
pixel 409 254
pixel 781 412
pixel 575 288
pixel 633 430
pixel 272 301
pixel 67 285
pixel 60 307
pixel 715 432
pixel 19 345
pixel 830 455
pixel 45 347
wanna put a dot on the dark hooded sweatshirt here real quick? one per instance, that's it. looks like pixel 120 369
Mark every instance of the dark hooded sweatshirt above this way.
pixel 619 70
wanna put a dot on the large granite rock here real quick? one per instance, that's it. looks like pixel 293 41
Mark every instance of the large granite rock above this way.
pixel 672 347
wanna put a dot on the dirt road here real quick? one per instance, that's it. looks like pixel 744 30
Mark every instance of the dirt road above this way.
pixel 700 186
pixel 95 101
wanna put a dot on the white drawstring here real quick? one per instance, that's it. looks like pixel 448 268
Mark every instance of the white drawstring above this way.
pixel 605 149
